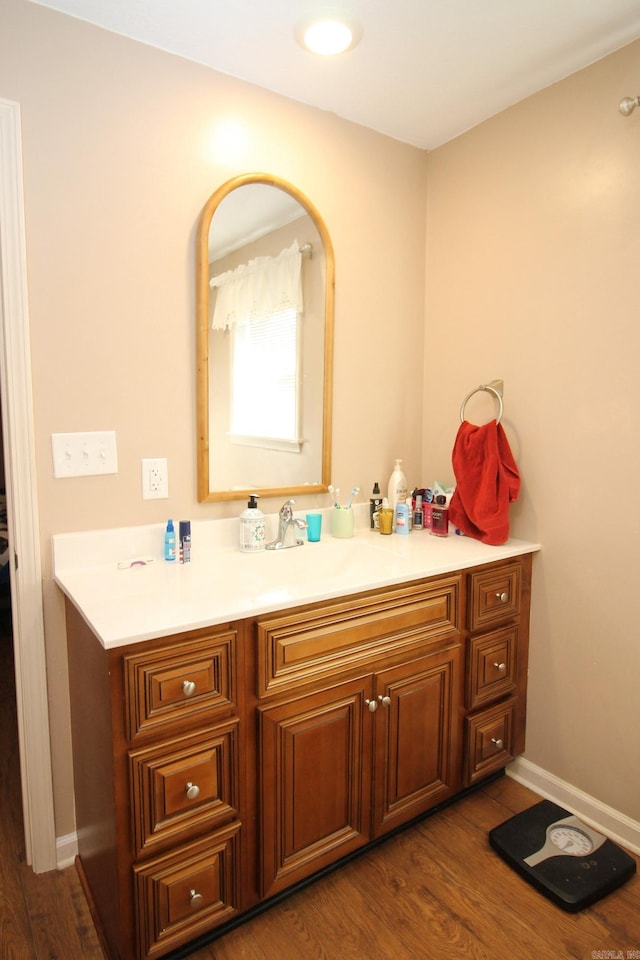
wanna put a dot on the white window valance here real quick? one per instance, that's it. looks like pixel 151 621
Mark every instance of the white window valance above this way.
pixel 258 289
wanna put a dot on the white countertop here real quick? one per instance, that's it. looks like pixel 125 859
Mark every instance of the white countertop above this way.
pixel 221 583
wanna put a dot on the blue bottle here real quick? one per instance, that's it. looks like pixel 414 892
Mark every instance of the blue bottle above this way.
pixel 402 518
pixel 170 542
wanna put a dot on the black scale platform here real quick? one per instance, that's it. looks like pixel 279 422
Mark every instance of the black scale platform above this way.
pixel 563 858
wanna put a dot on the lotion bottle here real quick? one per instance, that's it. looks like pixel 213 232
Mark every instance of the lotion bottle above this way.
pixel 397 487
pixel 252 527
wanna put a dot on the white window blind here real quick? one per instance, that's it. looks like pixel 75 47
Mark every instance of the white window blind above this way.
pixel 264 402
pixel 260 302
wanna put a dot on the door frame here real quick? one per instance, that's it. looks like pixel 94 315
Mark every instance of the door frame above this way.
pixel 22 505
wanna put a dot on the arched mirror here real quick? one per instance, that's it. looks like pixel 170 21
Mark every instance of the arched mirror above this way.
pixel 265 296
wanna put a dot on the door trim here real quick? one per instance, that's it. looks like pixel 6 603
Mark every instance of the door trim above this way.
pixel 22 505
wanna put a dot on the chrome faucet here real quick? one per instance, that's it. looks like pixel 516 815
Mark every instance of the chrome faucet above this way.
pixel 287 524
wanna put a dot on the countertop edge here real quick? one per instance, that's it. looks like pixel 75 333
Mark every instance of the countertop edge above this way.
pixel 129 617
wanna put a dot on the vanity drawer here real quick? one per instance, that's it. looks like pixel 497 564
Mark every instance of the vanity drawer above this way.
pixel 185 894
pixel 301 647
pixel 180 682
pixel 489 740
pixel 185 784
pixel 495 596
pixel 492 668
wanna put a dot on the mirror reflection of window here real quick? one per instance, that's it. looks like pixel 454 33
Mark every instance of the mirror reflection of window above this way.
pixel 260 302
pixel 265 380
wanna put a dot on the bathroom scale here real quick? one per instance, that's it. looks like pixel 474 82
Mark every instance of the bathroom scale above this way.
pixel 563 858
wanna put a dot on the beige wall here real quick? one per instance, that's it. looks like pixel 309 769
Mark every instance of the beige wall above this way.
pixel 121 150
pixel 532 253
pixel 533 246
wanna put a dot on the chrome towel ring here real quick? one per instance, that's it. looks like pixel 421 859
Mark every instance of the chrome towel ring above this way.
pixel 490 389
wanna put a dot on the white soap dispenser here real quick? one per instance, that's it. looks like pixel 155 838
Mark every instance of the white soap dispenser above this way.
pixel 252 527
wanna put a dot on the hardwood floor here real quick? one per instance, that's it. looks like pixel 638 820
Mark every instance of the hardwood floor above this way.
pixel 42 917
pixel 436 890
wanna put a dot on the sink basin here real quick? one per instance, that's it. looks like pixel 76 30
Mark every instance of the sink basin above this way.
pixel 328 564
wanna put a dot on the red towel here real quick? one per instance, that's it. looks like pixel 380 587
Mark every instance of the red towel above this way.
pixel 487 481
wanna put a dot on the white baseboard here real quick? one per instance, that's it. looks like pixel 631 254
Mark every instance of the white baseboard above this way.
pixel 615 825
pixel 66 850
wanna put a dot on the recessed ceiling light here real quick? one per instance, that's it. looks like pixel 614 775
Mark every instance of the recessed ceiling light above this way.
pixel 328 35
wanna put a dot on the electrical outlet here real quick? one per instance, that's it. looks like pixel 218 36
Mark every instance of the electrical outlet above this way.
pixel 155 479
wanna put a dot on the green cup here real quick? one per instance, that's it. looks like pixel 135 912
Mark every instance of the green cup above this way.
pixel 342 522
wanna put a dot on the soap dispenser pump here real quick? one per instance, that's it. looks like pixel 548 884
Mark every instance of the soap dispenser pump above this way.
pixel 252 536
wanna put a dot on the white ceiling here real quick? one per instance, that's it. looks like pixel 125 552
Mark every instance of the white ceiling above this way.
pixel 424 70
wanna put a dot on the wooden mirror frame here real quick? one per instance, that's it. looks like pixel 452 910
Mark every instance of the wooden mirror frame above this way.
pixel 205 493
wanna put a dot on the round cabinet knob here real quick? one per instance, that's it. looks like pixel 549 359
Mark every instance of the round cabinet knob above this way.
pixel 192 790
pixel 195 899
pixel 497 742
pixel 500 666
pixel 188 688
pixel 373 706
pixel 502 597
pixel 385 701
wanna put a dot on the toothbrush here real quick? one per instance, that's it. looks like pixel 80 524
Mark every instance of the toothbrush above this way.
pixel 334 493
pixel 353 493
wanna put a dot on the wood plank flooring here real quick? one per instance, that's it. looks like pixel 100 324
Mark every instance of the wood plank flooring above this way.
pixel 42 917
pixel 436 890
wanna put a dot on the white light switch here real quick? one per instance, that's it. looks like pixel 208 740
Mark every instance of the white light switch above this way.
pixel 84 454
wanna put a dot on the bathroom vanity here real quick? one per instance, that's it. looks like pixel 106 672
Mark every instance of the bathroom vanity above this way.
pixel 243 722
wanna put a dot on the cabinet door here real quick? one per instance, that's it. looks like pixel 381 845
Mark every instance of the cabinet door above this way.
pixel 315 781
pixel 418 743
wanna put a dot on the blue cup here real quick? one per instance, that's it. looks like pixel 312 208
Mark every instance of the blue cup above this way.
pixel 314 526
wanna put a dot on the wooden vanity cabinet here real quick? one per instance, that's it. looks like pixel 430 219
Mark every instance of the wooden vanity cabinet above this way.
pixel 497 663
pixel 374 741
pixel 157 742
pixel 217 768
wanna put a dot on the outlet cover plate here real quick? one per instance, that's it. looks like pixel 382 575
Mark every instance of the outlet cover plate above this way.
pixel 155 479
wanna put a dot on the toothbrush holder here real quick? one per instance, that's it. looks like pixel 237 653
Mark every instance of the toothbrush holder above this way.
pixel 342 522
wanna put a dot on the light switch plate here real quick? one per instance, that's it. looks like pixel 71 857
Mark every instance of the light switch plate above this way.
pixel 84 454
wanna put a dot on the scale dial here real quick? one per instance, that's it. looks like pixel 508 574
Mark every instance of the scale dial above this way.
pixel 568 837
pixel 571 841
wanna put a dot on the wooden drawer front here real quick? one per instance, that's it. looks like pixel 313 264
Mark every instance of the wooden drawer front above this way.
pixel 185 784
pixel 495 596
pixel 492 669
pixel 489 740
pixel 306 645
pixel 179 682
pixel 183 895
